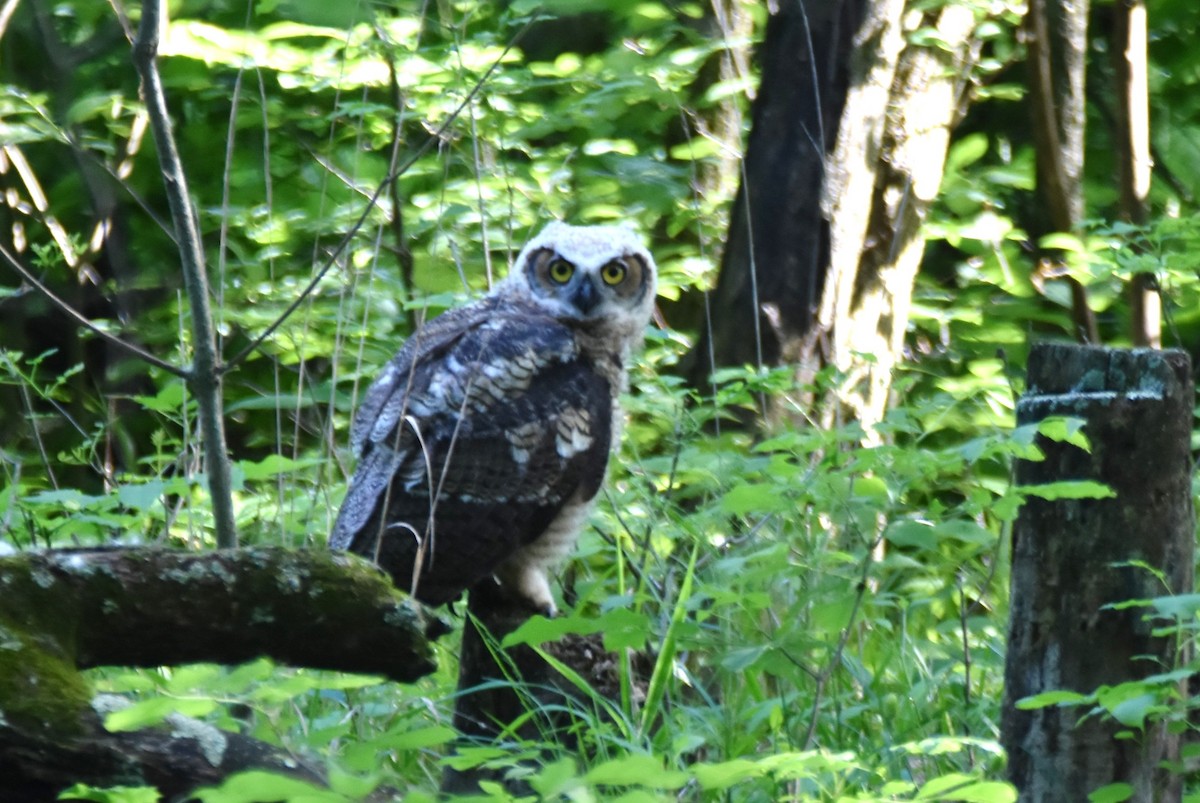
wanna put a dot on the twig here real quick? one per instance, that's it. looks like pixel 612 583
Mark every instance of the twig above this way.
pixel 37 435
pixel 966 648
pixel 436 136
pixel 70 312
pixel 404 254
pixel 205 376
pixel 836 658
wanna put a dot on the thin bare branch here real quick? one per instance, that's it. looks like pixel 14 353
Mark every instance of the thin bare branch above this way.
pixel 403 253
pixel 433 138
pixel 206 373
pixel 71 313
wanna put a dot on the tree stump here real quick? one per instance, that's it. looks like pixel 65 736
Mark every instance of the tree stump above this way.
pixel 1071 558
pixel 511 695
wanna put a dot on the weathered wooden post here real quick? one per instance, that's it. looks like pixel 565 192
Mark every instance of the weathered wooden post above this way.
pixel 1067 565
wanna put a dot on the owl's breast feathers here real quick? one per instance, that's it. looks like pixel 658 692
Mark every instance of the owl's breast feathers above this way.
pixel 470 443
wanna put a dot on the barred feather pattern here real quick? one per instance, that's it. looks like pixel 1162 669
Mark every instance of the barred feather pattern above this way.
pixel 483 443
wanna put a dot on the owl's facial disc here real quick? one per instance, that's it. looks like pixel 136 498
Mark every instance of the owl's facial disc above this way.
pixel 589 274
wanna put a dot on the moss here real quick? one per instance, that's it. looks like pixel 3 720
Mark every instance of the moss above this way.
pixel 40 690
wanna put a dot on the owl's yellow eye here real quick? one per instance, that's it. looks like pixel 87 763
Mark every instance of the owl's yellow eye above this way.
pixel 561 271
pixel 613 273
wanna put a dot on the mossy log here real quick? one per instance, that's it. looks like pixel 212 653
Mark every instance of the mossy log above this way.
pixel 63 611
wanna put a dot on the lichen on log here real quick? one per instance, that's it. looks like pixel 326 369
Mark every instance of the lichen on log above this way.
pixel 67 610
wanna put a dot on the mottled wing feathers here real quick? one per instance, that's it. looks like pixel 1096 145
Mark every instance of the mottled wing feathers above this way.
pixel 490 420
pixel 425 346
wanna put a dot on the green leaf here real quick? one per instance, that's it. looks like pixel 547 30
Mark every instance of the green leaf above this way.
pixel 968 532
pixel 67 498
pixel 1176 606
pixel 916 534
pixel 622 628
pixel 1112 793
pixel 271 466
pixel 111 794
pixel 636 770
pixel 145 713
pixel 555 778
pixel 737 660
pixel 1063 242
pixel 1056 697
pixel 625 628
pixel 142 496
pixel 967 151
pixel 539 629
pixel 1065 430
pixel 959 787
pixel 755 498
pixel 714 777
pixel 417 738
pixel 1069 489
pixel 1132 711
pixel 167 400
pixel 267 787
pixel 695 148
pixel 872 488
pixel 354 787
pixel 185 679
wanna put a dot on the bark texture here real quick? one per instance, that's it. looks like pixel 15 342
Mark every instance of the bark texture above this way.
pixel 847 148
pixel 67 610
pixel 775 258
pixel 1071 559
pixel 148 607
pixel 1056 31
pixel 877 206
pixel 1131 132
pixel 35 767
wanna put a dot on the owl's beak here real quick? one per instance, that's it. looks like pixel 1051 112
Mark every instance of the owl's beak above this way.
pixel 585 298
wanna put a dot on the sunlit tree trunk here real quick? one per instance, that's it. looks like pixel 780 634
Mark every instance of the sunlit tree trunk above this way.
pixel 876 216
pixel 847 146
pixel 1133 154
pixel 776 253
pixel 1056 31
pixel 730 22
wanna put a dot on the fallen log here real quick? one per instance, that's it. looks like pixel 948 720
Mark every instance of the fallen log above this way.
pixel 64 611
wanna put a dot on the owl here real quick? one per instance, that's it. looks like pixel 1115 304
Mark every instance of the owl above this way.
pixel 483 443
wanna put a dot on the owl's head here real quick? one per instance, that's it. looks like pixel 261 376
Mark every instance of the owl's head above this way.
pixel 598 277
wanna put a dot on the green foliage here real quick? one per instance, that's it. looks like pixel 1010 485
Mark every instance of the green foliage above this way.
pixel 112 794
pixel 794 614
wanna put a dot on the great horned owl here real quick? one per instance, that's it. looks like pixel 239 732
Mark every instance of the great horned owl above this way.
pixel 483 443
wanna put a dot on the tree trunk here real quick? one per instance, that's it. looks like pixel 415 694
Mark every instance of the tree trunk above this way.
pixel 205 378
pixel 1132 135
pixel 847 147
pixel 878 209
pixel 151 607
pixel 513 693
pixel 1056 31
pixel 1072 558
pixel 176 759
pixel 775 258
